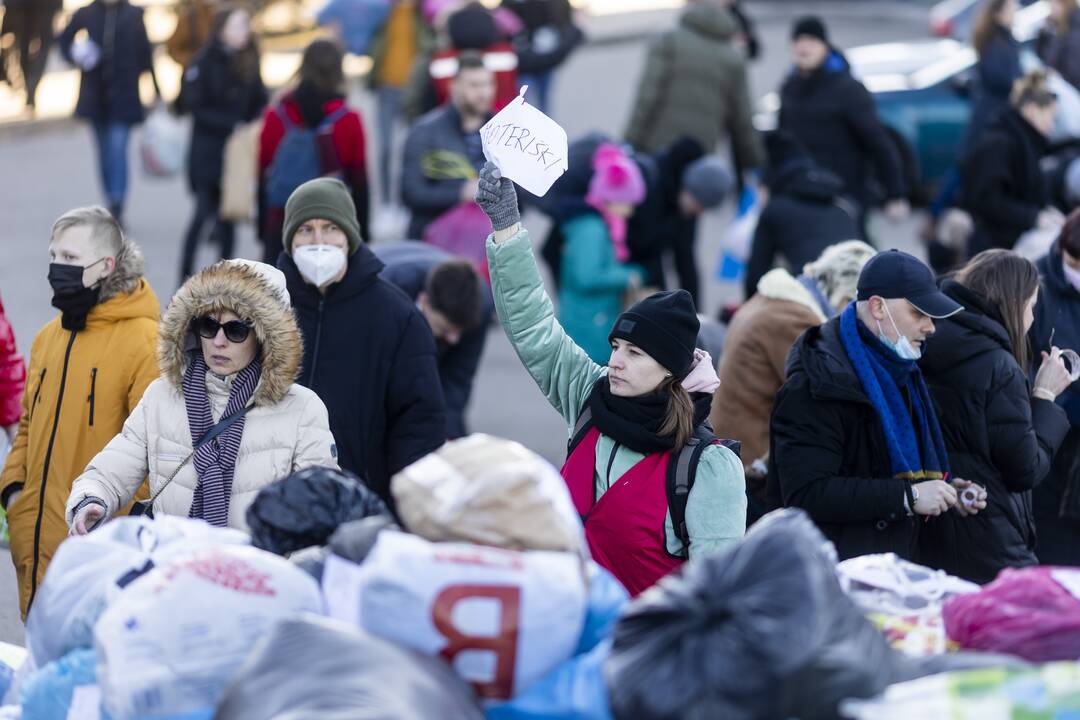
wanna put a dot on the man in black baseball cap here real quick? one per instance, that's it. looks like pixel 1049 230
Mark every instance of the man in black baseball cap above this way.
pixel 855 439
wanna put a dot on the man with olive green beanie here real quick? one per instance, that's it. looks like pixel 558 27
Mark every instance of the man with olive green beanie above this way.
pixel 368 352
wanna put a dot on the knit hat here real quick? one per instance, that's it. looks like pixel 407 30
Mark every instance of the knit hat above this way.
pixel 665 326
pixel 810 26
pixel 322 199
pixel 616 178
pixel 708 180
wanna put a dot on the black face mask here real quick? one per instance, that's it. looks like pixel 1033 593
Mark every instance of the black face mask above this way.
pixel 70 297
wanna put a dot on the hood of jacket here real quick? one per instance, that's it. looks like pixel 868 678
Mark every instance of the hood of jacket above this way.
pixel 806 181
pixel 820 354
pixel 362 272
pixel 779 284
pixel 974 331
pixel 141 302
pixel 130 268
pixel 241 290
pixel 1013 123
pixel 1053 273
pixel 707 18
pixel 836 66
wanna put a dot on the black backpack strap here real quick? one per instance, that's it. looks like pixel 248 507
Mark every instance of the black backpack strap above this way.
pixel 581 429
pixel 681 473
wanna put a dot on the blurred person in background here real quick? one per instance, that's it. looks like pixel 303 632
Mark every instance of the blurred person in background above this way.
pixel 998 66
pixel 443 151
pixel 311 132
pixel 547 38
pixel 31 22
pixel 194 19
pixel 1001 179
pixel 1001 431
pixel 806 211
pixel 107 41
pixel 1056 500
pixel 12 379
pixel 833 116
pixel 222 88
pixel 758 340
pixel 89 366
pixel 1058 44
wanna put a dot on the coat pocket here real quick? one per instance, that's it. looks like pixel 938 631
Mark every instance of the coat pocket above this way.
pixel 93 391
pixel 37 395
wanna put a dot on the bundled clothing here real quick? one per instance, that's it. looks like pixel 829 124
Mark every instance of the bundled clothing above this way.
pixel 695 85
pixel 843 446
pixel 12 374
pixel 1002 185
pixel 622 449
pixel 342 154
pixel 1054 501
pixel 82 385
pixel 995 72
pixel 31 22
pixel 834 118
pixel 439 158
pixel 997 436
pixel 546 39
pixel 285 430
pixel 369 354
pixel 1061 50
pixel 407 266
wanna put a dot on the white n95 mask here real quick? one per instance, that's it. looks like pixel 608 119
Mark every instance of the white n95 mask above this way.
pixel 319 264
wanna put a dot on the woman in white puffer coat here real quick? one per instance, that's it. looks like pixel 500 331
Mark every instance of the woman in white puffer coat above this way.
pixel 229 353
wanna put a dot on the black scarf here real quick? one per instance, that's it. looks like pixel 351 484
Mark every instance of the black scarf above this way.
pixel 635 421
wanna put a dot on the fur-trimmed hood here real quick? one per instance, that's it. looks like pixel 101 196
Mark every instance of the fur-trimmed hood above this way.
pixel 130 268
pixel 779 284
pixel 242 290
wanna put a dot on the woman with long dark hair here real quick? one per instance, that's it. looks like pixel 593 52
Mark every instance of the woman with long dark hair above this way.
pixel 631 422
pixel 998 66
pixel 1000 430
pixel 222 88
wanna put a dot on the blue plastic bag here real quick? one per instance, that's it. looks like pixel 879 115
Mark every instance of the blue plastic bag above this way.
pixel 47 694
pixel 735 248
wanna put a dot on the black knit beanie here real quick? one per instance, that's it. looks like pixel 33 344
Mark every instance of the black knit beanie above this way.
pixel 810 26
pixel 665 326
pixel 322 199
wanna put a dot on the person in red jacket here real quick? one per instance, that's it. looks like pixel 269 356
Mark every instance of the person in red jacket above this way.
pixel 12 378
pixel 310 132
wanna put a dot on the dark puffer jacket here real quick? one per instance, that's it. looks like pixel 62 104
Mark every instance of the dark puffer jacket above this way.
pixel 828 453
pixel 369 354
pixel 1003 187
pixel 834 117
pixel 806 213
pixel 996 434
pixel 1057 315
pixel 695 85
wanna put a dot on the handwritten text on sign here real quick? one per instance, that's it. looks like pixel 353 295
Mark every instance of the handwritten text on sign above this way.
pixel 526 145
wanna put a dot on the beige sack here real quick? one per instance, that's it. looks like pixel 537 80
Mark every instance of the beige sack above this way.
pixel 239 174
pixel 488 491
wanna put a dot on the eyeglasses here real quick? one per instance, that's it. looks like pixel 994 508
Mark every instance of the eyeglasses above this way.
pixel 236 331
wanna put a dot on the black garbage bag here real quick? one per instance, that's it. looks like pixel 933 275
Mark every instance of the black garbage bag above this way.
pixel 760 631
pixel 354 540
pixel 312 667
pixel 305 509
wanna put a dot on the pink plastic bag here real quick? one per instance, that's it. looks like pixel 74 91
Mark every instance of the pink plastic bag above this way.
pixel 461 231
pixel 1033 613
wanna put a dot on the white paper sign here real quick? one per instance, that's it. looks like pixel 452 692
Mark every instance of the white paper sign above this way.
pixel 85 703
pixel 526 145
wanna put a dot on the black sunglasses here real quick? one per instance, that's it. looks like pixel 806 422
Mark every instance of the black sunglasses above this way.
pixel 236 331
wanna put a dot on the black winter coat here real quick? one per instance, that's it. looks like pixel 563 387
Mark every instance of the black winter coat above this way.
pixel 996 434
pixel 1002 184
pixel 1057 314
pixel 110 91
pixel 368 353
pixel 996 71
pixel 805 214
pixel 407 267
pixel 219 100
pixel 828 453
pixel 834 117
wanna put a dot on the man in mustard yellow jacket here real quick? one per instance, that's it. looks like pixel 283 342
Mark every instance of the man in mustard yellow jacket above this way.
pixel 88 369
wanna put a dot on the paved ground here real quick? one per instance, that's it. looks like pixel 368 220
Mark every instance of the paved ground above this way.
pixel 46 170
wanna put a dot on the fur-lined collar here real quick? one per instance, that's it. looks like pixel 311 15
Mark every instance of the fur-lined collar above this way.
pixel 130 268
pixel 243 291
pixel 779 284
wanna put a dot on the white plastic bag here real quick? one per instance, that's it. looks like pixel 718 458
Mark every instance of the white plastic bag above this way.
pixel 172 641
pixel 163 144
pixel 502 619
pixel 89 571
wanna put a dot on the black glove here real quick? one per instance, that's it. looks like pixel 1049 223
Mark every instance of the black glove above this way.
pixel 497 197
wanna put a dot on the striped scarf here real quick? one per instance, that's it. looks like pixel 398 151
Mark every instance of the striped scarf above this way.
pixel 215 462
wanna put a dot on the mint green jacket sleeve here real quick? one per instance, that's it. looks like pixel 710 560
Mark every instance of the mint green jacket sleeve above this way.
pixel 716 507
pixel 563 371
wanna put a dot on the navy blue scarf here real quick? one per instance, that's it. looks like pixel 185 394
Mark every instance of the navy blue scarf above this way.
pixel 916 449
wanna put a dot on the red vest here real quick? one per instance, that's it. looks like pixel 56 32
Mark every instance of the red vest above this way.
pixel 625 527
pixel 500 59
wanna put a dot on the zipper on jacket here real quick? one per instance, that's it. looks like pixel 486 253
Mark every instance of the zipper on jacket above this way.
pixel 45 473
pixel 315 347
pixel 93 387
pixel 37 395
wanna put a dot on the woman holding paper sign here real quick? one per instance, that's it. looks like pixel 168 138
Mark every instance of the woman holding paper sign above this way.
pixel 637 423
